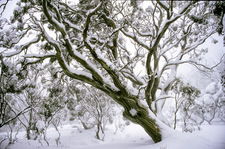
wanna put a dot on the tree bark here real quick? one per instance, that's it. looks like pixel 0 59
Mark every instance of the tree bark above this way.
pixel 141 117
pixel 149 124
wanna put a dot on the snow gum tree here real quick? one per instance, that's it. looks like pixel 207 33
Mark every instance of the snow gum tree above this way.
pixel 186 109
pixel 88 40
pixel 12 85
pixel 94 108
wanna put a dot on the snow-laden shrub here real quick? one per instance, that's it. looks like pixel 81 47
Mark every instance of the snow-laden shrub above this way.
pixel 192 108
pixel 212 103
pixel 92 108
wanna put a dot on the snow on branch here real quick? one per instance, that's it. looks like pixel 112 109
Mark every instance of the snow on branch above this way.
pixel 146 34
pixel 199 41
pixel 40 55
pixel 106 64
pixel 23 47
pixel 92 11
pixel 171 46
pixel 133 78
pixel 185 7
pixel 136 39
pixel 72 25
pixel 50 39
pixel 57 23
pixel 133 112
pixel 87 22
pixel 204 66
pixel 14 38
pixel 163 4
pixel 70 71
pixel 79 58
pixel 163 28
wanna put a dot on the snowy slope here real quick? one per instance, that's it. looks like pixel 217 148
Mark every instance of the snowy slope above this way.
pixel 132 137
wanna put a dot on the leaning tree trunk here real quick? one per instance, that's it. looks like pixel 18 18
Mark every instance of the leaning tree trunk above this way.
pixel 137 113
pixel 129 102
pixel 142 118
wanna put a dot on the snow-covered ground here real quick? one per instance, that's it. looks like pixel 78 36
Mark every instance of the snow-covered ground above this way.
pixel 132 137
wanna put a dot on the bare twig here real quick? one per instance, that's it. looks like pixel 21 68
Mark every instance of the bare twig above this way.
pixel 3 6
pixel 208 68
pixel 17 115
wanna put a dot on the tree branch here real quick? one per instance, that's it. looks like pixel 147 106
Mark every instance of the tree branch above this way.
pixel 3 6
pixel 136 39
pixel 23 47
pixel 17 115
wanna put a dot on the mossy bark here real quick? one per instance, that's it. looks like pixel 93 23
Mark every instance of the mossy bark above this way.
pixel 141 117
pixel 149 124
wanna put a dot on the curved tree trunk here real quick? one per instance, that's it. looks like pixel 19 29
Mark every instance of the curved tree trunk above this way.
pixel 142 118
pixel 137 113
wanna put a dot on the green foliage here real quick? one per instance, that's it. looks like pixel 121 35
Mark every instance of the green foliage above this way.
pixel 197 19
pixel 185 97
pixel 47 111
pixel 47 47
pixel 219 11
pixel 19 12
pixel 186 90
pixel 219 8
